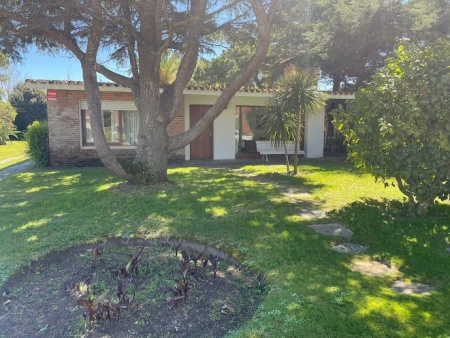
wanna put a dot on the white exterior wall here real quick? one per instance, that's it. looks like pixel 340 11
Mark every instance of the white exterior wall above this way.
pixel 314 134
pixel 224 142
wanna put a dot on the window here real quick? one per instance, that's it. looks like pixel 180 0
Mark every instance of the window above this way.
pixel 120 126
pixel 248 128
pixel 248 123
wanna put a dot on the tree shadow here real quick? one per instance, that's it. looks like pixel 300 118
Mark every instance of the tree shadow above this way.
pixel 393 235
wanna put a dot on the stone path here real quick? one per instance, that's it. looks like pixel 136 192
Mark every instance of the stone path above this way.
pixel 406 288
pixel 349 248
pixel 15 169
pixel 332 229
pixel 310 214
pixel 368 268
pixel 374 268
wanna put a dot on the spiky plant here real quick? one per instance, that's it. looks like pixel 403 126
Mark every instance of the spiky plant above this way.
pixel 297 93
pixel 279 126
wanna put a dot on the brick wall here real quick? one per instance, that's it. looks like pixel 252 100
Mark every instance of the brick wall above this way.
pixel 65 130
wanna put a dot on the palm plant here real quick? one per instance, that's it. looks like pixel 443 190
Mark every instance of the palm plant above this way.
pixel 170 61
pixel 297 93
pixel 279 125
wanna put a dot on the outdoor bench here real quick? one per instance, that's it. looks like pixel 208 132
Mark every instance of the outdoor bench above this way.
pixel 266 148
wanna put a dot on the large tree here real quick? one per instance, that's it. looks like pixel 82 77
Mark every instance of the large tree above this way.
pixel 138 33
pixel 351 39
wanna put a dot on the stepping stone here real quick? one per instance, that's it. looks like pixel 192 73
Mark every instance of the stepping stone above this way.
pixel 447 249
pixel 405 288
pixel 332 229
pixel 308 214
pixel 373 268
pixel 349 248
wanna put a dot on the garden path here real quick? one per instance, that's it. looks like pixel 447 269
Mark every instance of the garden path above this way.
pixel 15 169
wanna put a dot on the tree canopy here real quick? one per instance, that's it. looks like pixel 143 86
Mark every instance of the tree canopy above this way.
pixel 30 104
pixel 348 41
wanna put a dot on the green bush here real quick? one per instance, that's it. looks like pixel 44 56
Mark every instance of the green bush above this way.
pixel 7 116
pixel 37 140
pixel 398 127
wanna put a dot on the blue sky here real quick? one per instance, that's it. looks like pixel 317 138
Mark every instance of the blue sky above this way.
pixel 37 65
pixel 61 66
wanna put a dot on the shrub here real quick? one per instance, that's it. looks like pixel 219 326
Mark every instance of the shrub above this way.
pixel 398 128
pixel 7 116
pixel 37 140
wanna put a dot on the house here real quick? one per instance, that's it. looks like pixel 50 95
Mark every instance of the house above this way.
pixel 232 133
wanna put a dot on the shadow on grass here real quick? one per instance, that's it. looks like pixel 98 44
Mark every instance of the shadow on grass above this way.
pixel 47 211
pixel 393 235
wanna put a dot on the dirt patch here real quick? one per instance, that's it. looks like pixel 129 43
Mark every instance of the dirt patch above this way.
pixel 167 295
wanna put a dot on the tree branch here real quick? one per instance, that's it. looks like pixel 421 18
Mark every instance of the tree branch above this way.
pixel 264 23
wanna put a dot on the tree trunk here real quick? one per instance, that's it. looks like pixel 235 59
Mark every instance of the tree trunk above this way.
pixel 298 126
pixel 337 83
pixel 286 156
pixel 152 155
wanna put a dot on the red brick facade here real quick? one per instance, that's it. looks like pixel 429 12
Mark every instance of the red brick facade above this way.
pixel 65 127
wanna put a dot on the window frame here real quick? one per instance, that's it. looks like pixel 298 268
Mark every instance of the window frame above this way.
pixel 112 105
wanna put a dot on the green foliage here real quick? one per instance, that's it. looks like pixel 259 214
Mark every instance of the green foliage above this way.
pixel 37 139
pixel 398 128
pixel 279 125
pixel 169 67
pixel 350 39
pixel 7 116
pixel 298 95
pixel 30 104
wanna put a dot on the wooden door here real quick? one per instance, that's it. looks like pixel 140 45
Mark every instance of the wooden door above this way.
pixel 202 147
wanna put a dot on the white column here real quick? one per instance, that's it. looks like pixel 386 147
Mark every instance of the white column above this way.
pixel 314 134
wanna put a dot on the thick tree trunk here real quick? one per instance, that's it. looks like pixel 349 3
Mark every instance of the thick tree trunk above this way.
pixel 88 63
pixel 152 153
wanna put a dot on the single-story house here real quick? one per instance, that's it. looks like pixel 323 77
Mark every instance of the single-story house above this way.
pixel 231 135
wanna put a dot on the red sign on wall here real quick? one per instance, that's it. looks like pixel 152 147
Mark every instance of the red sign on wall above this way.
pixel 51 95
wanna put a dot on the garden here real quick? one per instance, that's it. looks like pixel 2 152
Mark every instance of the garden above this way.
pixel 225 251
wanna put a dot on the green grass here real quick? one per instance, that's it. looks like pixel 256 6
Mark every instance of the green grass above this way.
pixel 313 292
pixel 12 153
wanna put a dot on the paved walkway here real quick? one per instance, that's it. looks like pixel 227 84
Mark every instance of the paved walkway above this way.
pixel 15 169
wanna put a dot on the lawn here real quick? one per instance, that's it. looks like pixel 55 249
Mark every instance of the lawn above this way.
pixel 246 212
pixel 12 153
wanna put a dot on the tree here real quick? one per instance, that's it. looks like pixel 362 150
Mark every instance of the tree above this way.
pixel 288 46
pixel 398 128
pixel 279 126
pixel 7 116
pixel 429 20
pixel 297 93
pixel 30 105
pixel 351 39
pixel 138 33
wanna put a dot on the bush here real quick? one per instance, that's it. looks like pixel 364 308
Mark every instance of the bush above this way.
pixel 37 140
pixel 7 116
pixel 398 128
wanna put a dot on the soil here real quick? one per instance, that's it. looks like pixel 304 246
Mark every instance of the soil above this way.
pixel 47 299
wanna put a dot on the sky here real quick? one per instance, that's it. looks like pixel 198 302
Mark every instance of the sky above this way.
pixel 38 65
